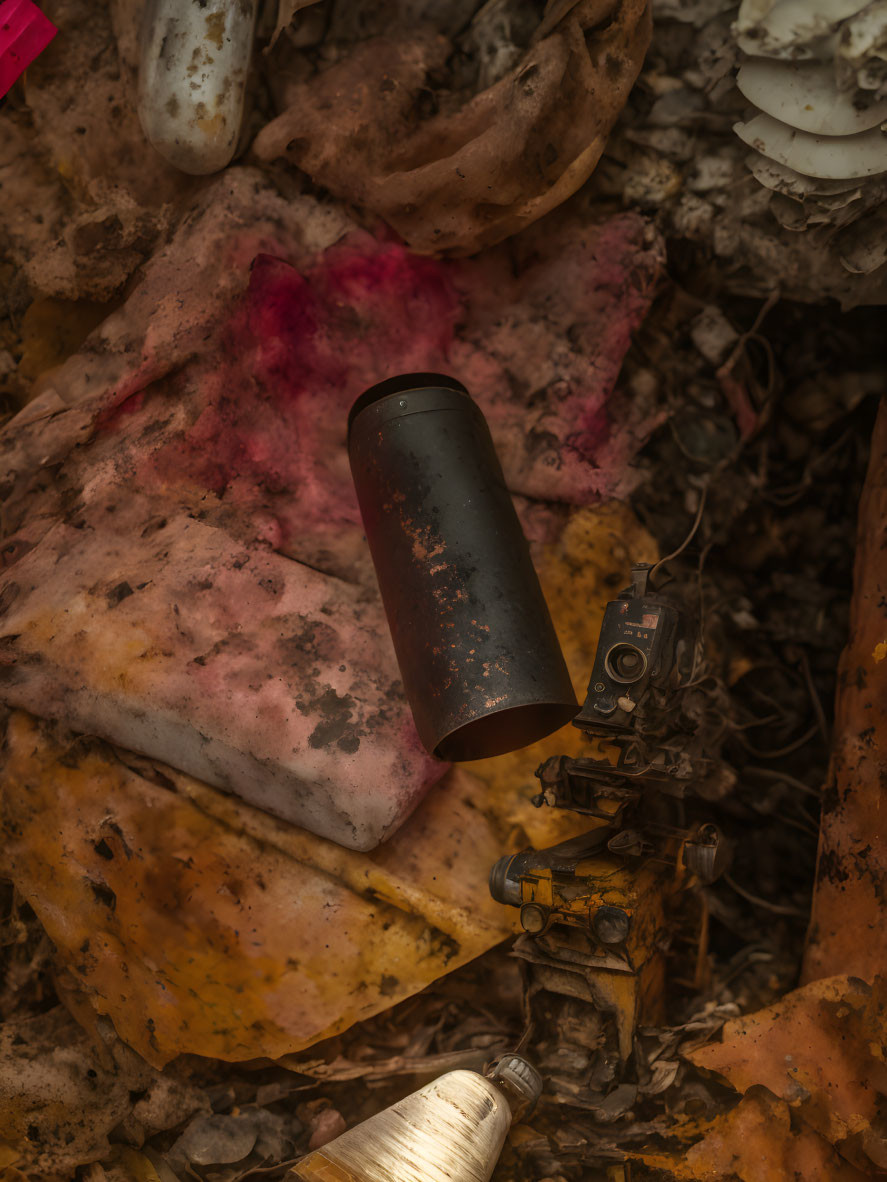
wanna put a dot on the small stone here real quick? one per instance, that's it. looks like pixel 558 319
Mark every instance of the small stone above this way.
pixel 326 1125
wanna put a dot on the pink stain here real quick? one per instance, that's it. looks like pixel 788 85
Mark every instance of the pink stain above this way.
pixel 594 434
pixel 291 358
pixel 115 413
pixel 280 334
pixel 262 409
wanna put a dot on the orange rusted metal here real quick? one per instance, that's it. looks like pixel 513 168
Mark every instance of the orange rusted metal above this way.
pixel 847 929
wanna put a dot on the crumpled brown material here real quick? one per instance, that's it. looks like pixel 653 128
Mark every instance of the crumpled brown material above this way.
pixel 466 178
pixel 62 1093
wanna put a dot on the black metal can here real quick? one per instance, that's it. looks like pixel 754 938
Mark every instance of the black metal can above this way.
pixel 479 657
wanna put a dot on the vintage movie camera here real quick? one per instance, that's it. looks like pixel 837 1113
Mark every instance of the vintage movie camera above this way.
pixel 651 698
pixel 598 911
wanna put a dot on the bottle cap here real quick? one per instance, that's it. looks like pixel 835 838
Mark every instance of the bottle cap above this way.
pixel 519 1079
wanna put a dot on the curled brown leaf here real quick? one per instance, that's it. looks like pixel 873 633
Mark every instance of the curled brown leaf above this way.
pixel 466 178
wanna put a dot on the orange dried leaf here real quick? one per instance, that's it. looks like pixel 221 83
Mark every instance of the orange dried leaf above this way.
pixel 848 929
pixel 821 1050
pixel 755 1142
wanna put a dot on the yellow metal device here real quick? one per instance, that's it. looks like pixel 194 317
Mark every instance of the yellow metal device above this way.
pixel 595 920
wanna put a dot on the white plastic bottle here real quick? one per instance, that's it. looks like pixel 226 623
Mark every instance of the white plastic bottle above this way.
pixel 452 1130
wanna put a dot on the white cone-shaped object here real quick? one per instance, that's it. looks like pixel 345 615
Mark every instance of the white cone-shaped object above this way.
pixel 452 1130
pixel 805 95
pixel 793 29
pixel 832 157
pixel 193 68
pixel 817 119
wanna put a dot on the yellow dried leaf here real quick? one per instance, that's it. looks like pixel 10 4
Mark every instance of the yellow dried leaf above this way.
pixel 8 1156
pixel 587 566
pixel 201 924
pixel 54 329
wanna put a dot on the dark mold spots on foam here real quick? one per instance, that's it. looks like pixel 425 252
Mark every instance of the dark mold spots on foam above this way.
pixel 118 593
pixel 335 726
pixel 309 642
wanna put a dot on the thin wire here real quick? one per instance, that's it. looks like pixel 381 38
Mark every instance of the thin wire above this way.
pixel 687 540
pixel 747 726
pixel 787 750
pixel 792 781
pixel 699 646
pixel 757 901
pixel 814 696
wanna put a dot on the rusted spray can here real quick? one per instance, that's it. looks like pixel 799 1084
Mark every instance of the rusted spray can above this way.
pixel 452 1130
pixel 480 660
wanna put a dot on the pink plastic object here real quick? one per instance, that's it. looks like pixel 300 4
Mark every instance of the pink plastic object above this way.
pixel 24 33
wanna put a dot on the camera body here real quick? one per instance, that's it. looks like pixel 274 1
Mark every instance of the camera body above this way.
pixel 599 911
pixel 637 652
pixel 652 698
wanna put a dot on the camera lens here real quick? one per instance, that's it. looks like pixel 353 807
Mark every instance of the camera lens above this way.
pixel 626 663
pixel 611 925
pixel 533 918
pixel 505 886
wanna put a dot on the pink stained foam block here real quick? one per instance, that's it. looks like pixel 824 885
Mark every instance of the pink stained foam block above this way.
pixel 185 573
pixel 24 33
